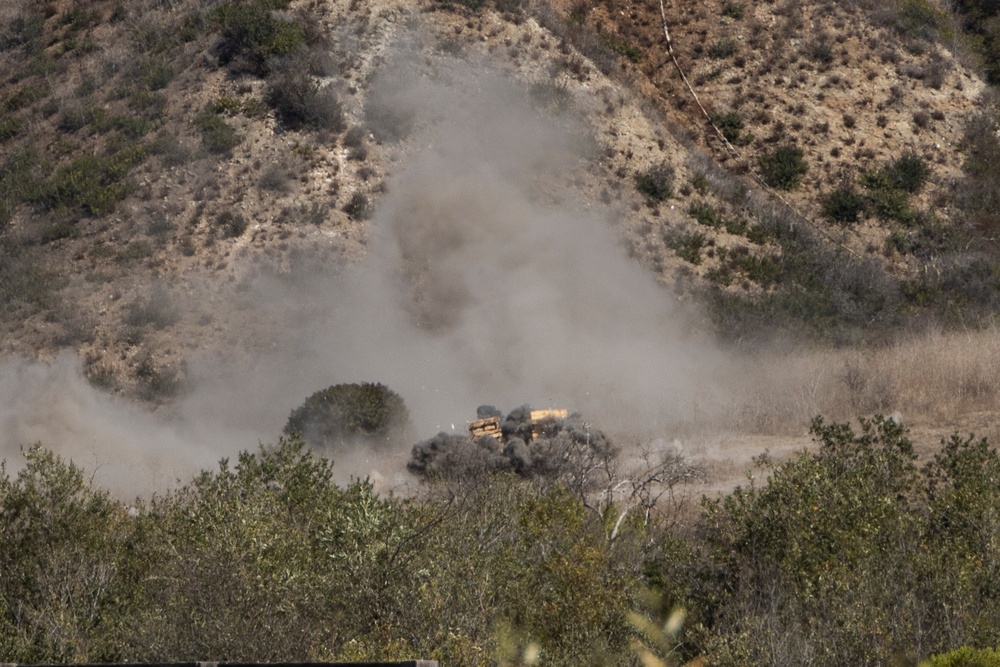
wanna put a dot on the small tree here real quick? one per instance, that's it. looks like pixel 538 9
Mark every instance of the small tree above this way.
pixel 346 413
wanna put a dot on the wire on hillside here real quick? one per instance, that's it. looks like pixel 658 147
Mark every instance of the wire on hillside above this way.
pixel 732 149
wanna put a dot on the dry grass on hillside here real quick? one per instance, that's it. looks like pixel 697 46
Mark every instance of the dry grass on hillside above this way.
pixel 933 379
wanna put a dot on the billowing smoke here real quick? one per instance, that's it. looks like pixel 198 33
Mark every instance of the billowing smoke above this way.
pixel 124 447
pixel 485 281
pixel 479 287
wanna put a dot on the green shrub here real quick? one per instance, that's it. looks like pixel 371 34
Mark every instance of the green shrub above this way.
pixel 9 128
pixel 154 73
pixel 227 105
pixel 722 49
pixel 733 10
pixel 657 182
pixel 19 181
pixel 171 151
pixel 699 181
pixel 967 657
pixel 22 30
pixel 358 207
pixel 978 17
pixel 843 205
pixel 25 96
pixel 78 19
pixel 705 214
pixel 232 224
pixel 64 553
pixel 299 102
pixel 134 252
pixel 765 270
pixel 720 275
pixel 252 36
pixel 91 183
pixel 885 199
pixel 908 173
pixel 730 123
pixel 783 167
pixel 217 135
pixel 344 414
pixel 735 225
pixel 55 231
pixel 133 127
pixel 831 529
pixel 621 47
pixel 687 245
pixel 760 233
pixel 75 119
pixel 922 19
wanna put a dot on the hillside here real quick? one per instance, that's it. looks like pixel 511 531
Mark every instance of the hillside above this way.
pixel 183 180
pixel 260 260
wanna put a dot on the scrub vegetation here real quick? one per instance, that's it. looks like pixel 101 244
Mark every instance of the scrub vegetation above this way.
pixel 266 558
pixel 210 146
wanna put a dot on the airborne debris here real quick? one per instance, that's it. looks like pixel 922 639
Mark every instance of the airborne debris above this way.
pixel 490 425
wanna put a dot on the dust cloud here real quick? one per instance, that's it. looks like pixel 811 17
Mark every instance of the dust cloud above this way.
pixel 486 282
pixel 120 445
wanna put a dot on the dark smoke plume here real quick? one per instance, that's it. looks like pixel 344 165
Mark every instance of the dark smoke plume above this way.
pixel 551 449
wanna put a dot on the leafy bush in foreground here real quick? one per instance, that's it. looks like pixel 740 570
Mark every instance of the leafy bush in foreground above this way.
pixel 269 560
pixel 839 556
pixel 857 528
pixel 967 657
pixel 64 553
